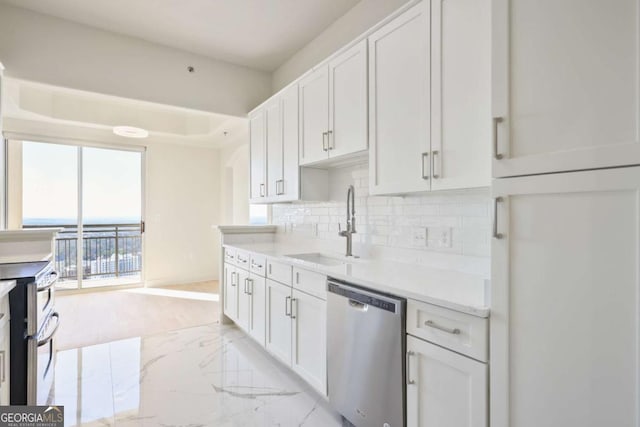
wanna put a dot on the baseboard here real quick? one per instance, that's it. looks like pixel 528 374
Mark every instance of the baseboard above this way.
pixel 171 282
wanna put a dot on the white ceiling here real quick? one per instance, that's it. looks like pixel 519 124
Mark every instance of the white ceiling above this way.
pixel 260 34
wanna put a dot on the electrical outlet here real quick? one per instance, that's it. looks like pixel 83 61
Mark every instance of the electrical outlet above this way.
pixel 439 237
pixel 419 237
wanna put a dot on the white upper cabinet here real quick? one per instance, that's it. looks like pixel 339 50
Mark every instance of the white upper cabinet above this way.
pixel 565 85
pixel 333 107
pixel 399 78
pixel 565 283
pixel 275 169
pixel 348 102
pixel 275 172
pixel 460 94
pixel 314 116
pixel 257 137
pixel 290 186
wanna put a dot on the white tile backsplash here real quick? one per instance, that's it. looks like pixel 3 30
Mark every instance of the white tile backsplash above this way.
pixel 405 228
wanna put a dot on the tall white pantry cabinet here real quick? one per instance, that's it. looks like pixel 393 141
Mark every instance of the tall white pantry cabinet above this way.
pixel 565 309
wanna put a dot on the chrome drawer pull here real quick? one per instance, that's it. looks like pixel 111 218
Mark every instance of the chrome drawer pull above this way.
pixel 432 324
pixel 409 380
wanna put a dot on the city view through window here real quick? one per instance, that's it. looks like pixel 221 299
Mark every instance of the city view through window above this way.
pixel 95 194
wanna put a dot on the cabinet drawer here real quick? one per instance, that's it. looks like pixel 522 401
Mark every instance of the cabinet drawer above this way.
pixel 242 259
pixel 279 272
pixel 258 265
pixel 312 283
pixel 457 331
pixel 230 256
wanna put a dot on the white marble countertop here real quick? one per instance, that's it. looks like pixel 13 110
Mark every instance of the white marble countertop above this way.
pixel 6 286
pixel 462 292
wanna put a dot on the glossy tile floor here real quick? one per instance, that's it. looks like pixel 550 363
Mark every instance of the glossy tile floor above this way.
pixel 210 375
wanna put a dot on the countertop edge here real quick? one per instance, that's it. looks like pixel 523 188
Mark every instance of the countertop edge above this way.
pixel 477 311
pixel 6 286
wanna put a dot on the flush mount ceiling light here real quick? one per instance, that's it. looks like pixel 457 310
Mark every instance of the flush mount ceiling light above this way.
pixel 130 132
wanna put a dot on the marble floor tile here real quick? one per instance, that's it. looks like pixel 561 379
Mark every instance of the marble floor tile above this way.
pixel 211 375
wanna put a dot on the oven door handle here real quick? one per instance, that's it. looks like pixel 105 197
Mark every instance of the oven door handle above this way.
pixel 50 283
pixel 46 340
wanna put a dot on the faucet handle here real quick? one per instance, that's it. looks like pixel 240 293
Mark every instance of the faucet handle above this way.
pixel 339 227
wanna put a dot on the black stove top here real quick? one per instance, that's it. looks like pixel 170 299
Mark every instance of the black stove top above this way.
pixel 21 270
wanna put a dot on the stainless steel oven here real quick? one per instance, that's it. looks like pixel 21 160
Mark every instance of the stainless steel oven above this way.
pixel 41 354
pixel 33 325
pixel 40 299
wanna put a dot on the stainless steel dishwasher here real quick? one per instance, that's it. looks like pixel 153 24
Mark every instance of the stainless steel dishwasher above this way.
pixel 365 355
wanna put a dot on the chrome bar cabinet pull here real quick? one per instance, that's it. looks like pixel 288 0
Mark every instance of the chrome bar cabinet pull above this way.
pixel 409 380
pixel 496 122
pixel 432 324
pixel 286 307
pixel 424 157
pixel 434 153
pixel 496 235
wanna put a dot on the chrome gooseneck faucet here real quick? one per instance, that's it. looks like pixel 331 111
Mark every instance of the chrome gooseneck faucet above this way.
pixel 351 220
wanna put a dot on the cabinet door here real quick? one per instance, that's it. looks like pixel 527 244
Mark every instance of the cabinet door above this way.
pixel 348 101
pixel 278 334
pixel 290 187
pixel 564 312
pixel 230 292
pixel 314 116
pixel 273 112
pixel 460 94
pixel 244 299
pixel 565 84
pixel 257 316
pixel 399 104
pixel 4 364
pixel 444 389
pixel 257 141
pixel 309 346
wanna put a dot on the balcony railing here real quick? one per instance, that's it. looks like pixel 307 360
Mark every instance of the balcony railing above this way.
pixel 108 250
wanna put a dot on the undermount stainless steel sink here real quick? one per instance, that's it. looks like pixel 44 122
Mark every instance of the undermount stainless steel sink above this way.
pixel 318 258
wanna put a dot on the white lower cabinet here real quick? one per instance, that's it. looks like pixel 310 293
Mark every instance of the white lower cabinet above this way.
pixel 296 332
pixel 244 298
pixel 230 292
pixel 444 388
pixel 278 339
pixel 309 343
pixel 564 300
pixel 256 288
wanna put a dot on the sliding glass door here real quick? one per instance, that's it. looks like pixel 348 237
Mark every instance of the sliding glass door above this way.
pixel 96 195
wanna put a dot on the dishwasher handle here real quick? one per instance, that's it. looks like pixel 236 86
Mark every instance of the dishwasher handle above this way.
pixel 358 305
pixel 364 299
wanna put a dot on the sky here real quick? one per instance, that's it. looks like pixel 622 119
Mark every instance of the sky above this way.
pixel 111 182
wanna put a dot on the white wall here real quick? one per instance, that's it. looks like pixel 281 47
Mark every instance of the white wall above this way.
pixel 234 183
pixel 50 50
pixel 183 207
pixel 353 23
